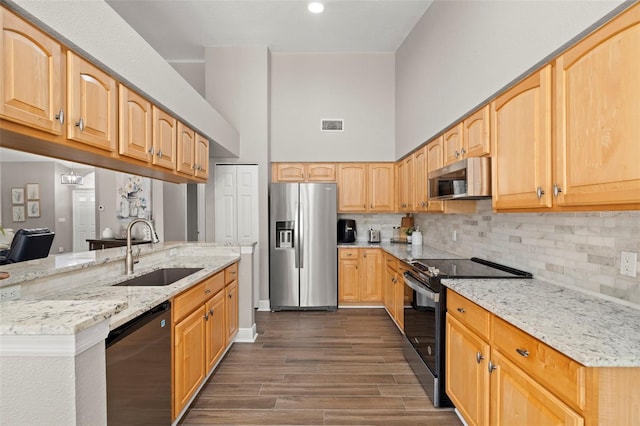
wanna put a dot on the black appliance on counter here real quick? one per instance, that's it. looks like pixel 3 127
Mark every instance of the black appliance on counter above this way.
pixel 346 231
pixel 424 318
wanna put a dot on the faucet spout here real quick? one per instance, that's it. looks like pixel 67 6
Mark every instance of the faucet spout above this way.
pixel 154 239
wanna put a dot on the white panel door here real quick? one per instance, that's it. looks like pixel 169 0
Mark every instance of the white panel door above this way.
pixel 247 190
pixel 226 220
pixel 84 218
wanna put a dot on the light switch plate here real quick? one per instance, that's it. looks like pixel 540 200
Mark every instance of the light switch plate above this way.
pixel 628 263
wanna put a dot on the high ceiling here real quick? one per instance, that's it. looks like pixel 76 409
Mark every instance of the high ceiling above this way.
pixel 180 29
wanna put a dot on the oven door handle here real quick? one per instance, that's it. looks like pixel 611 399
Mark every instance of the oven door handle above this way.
pixel 415 284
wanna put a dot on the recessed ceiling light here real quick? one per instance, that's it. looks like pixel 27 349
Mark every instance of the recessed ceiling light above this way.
pixel 316 7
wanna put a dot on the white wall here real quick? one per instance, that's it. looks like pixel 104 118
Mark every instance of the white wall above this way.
pixel 356 87
pixel 237 85
pixel 462 52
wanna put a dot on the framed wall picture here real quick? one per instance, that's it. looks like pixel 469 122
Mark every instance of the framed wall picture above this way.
pixel 33 191
pixel 18 214
pixel 17 195
pixel 33 208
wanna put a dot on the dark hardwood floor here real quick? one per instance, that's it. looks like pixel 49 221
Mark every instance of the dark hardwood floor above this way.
pixel 317 368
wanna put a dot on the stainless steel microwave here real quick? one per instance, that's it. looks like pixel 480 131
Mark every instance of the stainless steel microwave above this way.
pixel 468 179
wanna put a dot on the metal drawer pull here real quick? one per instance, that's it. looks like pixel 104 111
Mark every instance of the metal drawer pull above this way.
pixel 461 310
pixel 80 124
pixel 523 352
pixel 60 116
pixel 479 357
pixel 491 367
pixel 539 192
pixel 207 291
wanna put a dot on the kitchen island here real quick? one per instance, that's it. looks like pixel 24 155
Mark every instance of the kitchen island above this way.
pixel 52 331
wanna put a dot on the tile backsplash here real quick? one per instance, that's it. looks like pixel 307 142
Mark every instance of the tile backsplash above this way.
pixel 580 250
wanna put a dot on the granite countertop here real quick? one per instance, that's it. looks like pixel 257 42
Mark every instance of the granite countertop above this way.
pixel 588 329
pixel 71 310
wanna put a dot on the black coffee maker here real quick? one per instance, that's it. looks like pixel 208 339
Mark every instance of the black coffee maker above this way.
pixel 346 231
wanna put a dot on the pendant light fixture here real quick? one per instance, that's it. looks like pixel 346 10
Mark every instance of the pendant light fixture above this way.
pixel 71 178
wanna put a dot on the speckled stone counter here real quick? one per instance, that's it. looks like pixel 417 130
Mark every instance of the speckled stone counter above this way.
pixel 591 330
pixel 404 251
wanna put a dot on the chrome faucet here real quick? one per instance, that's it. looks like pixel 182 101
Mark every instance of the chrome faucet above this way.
pixel 154 239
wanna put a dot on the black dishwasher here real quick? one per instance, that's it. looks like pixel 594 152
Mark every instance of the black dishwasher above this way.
pixel 138 357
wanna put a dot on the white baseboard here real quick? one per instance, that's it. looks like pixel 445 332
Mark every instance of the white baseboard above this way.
pixel 246 335
pixel 264 305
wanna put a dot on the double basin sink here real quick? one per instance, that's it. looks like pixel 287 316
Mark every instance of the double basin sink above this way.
pixel 159 277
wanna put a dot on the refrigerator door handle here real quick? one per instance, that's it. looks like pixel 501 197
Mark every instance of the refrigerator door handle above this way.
pixel 296 236
pixel 300 250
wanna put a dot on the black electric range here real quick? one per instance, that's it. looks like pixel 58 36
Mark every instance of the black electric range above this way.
pixel 425 316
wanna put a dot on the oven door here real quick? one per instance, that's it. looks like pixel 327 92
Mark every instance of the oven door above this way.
pixel 421 322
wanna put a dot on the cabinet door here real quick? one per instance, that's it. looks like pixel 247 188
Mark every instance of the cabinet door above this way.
pixel 186 145
pixel 320 172
pixel 216 336
pixel 202 157
pixel 92 104
pixel 521 144
pixel 31 90
pixel 467 378
pixel 134 125
pixel 352 187
pixel 231 299
pixel 390 277
pixel 381 187
pixel 288 172
pixel 452 144
pixel 164 139
pixel 420 179
pixel 189 353
pixel 516 399
pixel 348 280
pixel 399 297
pixel 476 134
pixel 435 160
pixel 371 277
pixel 597 158
pixel 405 185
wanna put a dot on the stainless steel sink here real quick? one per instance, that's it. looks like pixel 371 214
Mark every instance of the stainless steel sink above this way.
pixel 159 277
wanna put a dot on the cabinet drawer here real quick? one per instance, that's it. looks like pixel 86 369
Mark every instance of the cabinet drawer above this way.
pixel 470 314
pixel 348 253
pixel 391 261
pixel 558 373
pixel 214 284
pixel 187 301
pixel 231 273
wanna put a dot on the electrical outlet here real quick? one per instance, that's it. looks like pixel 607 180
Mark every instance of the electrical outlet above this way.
pixel 454 236
pixel 10 293
pixel 628 263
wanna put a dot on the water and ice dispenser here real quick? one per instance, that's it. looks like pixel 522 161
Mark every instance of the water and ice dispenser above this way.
pixel 284 235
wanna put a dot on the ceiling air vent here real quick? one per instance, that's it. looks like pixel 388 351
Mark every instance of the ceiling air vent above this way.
pixel 332 125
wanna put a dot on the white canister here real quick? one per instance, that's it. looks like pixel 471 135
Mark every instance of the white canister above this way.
pixel 108 233
pixel 416 238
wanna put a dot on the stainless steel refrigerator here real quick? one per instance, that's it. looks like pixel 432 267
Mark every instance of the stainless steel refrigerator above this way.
pixel 303 268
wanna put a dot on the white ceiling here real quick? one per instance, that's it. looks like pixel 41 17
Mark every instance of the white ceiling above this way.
pixel 180 29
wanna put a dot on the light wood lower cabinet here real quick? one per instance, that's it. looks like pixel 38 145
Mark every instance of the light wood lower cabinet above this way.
pixel 205 320
pixel 360 276
pixel 394 290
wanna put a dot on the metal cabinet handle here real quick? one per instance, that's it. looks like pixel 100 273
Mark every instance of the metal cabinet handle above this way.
pixel 461 310
pixel 151 151
pixel 60 116
pixel 491 367
pixel 457 154
pixel 556 190
pixel 206 316
pixel 230 295
pixel 80 124
pixel 211 311
pixel 523 352
pixel 207 291
pixel 160 153
pixel 233 273
pixel 539 192
pixel 479 357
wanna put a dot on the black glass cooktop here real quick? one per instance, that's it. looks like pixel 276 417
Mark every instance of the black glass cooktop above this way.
pixel 466 268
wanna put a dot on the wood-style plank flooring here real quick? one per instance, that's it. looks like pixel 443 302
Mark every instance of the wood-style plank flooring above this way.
pixel 317 368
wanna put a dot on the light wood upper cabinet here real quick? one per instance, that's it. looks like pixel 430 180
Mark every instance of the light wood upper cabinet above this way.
pixel 521 144
pixel 32 87
pixel 352 187
pixel 381 187
pixel 303 172
pixel 476 141
pixel 134 125
pixel 202 157
pixel 597 93
pixel 452 144
pixel 405 185
pixel 186 145
pixel 164 139
pixel 435 160
pixel 92 104
pixel 420 179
